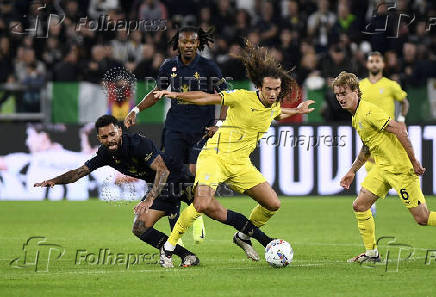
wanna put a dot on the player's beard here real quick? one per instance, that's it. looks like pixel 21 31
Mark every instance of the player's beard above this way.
pixel 375 73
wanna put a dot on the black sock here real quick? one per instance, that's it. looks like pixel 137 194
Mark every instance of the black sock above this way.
pixel 242 224
pixel 157 239
pixel 173 217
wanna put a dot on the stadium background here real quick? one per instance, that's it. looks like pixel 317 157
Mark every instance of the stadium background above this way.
pixel 53 55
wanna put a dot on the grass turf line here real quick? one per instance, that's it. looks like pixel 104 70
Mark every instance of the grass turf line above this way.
pixel 322 231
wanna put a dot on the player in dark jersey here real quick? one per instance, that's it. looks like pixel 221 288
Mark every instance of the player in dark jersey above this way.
pixel 135 155
pixel 185 124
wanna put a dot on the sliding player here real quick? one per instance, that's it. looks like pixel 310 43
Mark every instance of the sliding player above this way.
pixel 226 156
pixel 395 164
pixel 186 124
pixel 135 155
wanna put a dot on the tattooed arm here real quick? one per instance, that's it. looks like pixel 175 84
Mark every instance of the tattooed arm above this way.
pixel 363 156
pixel 66 178
pixel 160 180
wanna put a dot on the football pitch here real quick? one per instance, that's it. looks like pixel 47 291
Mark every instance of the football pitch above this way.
pixel 87 249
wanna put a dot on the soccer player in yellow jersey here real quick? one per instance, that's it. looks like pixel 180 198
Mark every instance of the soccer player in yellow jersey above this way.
pixel 395 164
pixel 382 92
pixel 226 156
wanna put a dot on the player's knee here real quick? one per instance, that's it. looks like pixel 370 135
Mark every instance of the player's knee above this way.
pixel 139 227
pixel 274 204
pixel 359 207
pixel 421 220
pixel 200 205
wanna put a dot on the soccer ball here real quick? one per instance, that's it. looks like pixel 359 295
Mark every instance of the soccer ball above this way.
pixel 279 253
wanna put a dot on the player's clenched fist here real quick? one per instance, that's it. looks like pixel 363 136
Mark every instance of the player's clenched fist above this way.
pixel 130 119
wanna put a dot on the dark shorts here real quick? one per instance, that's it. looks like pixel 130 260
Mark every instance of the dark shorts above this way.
pixel 183 146
pixel 169 200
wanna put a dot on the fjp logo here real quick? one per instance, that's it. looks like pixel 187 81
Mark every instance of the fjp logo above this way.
pixel 38 254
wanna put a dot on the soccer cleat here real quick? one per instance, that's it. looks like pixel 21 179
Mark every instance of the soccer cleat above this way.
pixel 246 246
pixel 364 258
pixel 198 231
pixel 190 260
pixel 165 260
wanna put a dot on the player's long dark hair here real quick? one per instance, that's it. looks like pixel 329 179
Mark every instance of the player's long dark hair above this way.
pixel 205 37
pixel 260 64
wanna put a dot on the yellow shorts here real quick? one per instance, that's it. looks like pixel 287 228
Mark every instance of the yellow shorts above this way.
pixel 369 165
pixel 407 185
pixel 212 170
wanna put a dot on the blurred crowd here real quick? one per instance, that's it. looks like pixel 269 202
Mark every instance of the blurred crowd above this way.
pixel 78 40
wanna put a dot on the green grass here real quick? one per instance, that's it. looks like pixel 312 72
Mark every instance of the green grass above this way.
pixel 322 231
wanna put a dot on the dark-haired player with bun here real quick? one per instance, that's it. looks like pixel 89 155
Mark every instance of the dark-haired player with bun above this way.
pixel 186 123
pixel 136 156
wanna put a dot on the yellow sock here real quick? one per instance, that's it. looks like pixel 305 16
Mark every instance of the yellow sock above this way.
pixel 432 219
pixel 366 225
pixel 186 219
pixel 260 215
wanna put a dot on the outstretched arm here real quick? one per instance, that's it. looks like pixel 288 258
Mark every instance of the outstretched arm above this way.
pixel 195 97
pixel 148 101
pixel 401 133
pixel 302 108
pixel 66 178
pixel 363 156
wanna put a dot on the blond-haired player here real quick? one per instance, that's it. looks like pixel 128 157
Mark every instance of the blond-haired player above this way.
pixel 395 163
pixel 382 92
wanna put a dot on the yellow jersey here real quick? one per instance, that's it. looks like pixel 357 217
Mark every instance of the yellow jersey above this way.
pixel 246 122
pixel 383 93
pixel 387 151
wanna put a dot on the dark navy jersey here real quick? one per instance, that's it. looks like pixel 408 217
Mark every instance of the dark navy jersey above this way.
pixel 134 158
pixel 200 75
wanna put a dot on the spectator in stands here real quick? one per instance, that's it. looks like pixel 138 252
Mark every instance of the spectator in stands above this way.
pixel 68 70
pixel 223 16
pixel 94 71
pixel 319 24
pixel 268 29
pixel 27 58
pixel 294 19
pixel 145 66
pixel 289 48
pixel 346 23
pixel 34 81
pixel 152 10
pixel 97 8
pixel 52 53
pixel 232 66
pixel 392 67
pixel 331 67
pixel 120 46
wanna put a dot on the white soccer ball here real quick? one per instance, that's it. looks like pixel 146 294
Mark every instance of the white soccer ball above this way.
pixel 279 253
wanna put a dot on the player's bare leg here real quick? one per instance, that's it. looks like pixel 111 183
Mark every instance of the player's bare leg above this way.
pixel 423 216
pixel 198 229
pixel 366 225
